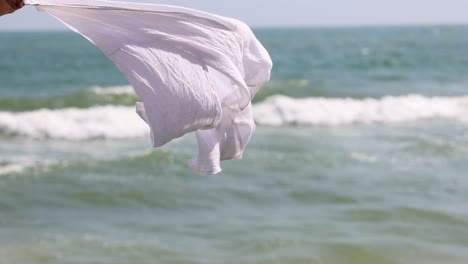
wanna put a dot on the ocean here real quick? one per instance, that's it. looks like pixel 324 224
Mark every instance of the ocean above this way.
pixel 360 156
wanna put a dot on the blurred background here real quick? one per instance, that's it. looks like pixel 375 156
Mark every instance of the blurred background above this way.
pixel 360 155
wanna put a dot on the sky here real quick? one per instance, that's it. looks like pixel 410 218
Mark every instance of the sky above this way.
pixel 290 13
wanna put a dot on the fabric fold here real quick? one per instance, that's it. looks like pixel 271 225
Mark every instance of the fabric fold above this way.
pixel 194 71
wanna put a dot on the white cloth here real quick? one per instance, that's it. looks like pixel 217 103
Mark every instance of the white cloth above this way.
pixel 194 71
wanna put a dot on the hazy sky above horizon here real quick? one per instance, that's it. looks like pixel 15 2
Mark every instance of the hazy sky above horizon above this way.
pixel 259 13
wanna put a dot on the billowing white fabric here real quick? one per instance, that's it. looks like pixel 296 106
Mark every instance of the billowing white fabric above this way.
pixel 193 71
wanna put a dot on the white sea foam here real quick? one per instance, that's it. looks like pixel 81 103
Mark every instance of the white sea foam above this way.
pixel 114 90
pixel 6 169
pixel 108 122
pixel 119 122
pixel 282 111
pixel 17 164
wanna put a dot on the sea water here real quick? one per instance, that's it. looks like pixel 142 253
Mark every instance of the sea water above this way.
pixel 360 156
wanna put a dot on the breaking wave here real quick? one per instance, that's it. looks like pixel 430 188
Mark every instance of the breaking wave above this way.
pixel 13 168
pixel 102 122
pixel 113 90
pixel 119 122
pixel 284 111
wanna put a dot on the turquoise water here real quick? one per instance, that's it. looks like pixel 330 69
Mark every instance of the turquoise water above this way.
pixel 361 156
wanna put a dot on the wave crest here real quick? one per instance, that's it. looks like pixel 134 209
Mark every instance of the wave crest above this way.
pixel 104 122
pixel 282 111
pixel 120 122
pixel 113 90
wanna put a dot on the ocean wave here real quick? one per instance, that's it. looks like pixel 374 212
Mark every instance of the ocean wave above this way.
pixel 285 111
pixel 13 168
pixel 120 122
pixel 103 122
pixel 17 165
pixel 113 90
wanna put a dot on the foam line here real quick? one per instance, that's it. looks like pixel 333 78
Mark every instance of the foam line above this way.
pixel 284 111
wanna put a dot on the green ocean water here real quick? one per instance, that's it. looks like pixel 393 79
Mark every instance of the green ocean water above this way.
pixel 372 169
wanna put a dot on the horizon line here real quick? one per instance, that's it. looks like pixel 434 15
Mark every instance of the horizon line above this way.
pixel 314 26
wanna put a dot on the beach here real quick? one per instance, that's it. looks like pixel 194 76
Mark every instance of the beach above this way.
pixel 360 156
